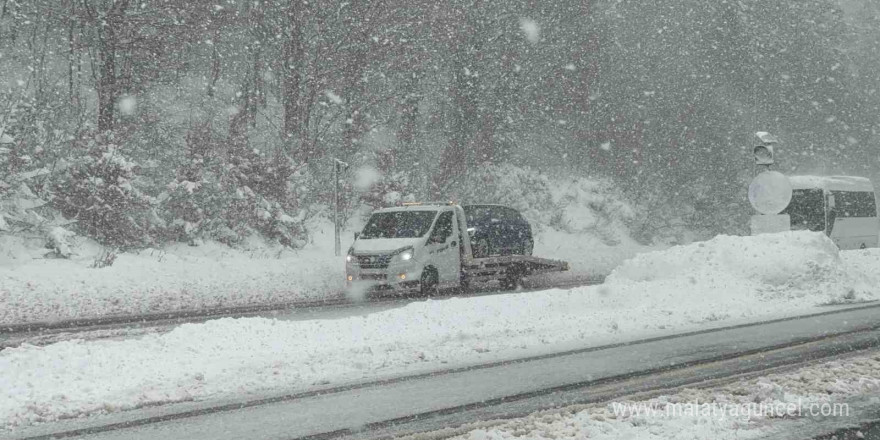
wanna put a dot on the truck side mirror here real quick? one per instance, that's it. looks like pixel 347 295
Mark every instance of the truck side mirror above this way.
pixel 356 235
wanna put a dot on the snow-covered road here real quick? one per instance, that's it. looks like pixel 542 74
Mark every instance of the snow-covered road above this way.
pixel 489 391
pixel 136 326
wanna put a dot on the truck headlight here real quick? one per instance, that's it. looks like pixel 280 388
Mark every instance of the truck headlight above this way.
pixel 403 254
pixel 349 258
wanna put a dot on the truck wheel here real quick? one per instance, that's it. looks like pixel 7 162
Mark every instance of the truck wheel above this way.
pixel 428 283
pixel 464 284
pixel 512 278
pixel 481 249
pixel 509 284
pixel 526 248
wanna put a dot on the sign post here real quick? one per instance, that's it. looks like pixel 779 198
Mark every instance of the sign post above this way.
pixel 770 191
pixel 338 167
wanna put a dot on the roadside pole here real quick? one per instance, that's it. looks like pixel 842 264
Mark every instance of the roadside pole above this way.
pixel 338 166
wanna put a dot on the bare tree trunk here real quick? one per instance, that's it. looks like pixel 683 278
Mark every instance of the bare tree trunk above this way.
pixel 292 131
pixel 71 55
pixel 107 83
pixel 108 90
pixel 409 111
pixel 356 123
pixel 215 63
pixel 456 161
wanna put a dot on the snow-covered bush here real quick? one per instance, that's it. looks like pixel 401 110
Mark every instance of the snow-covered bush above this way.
pixel 59 241
pixel 101 192
pixel 193 204
pixel 568 204
pixel 387 190
pixel 592 206
pixel 697 211
pixel 227 191
pixel 29 144
pixel 263 199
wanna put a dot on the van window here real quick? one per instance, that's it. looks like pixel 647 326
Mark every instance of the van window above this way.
pixel 854 204
pixel 807 210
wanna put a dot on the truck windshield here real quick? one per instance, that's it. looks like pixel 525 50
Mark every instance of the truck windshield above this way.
pixel 403 224
pixel 807 210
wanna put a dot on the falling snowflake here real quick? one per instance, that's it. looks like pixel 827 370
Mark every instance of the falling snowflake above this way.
pixel 531 29
pixel 334 98
pixel 127 105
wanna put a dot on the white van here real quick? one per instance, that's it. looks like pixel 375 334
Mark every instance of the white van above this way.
pixel 844 207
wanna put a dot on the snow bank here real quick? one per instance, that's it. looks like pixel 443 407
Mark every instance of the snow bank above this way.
pixel 175 278
pixel 790 264
pixel 689 414
pixel 678 289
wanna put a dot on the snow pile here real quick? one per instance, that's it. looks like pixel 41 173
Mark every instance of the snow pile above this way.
pixel 804 390
pixel 36 285
pixel 787 265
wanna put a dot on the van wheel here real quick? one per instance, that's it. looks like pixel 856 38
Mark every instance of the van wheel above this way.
pixel 428 282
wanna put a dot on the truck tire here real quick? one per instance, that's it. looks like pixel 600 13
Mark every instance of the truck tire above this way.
pixel 513 278
pixel 526 248
pixel 464 284
pixel 428 282
pixel 481 248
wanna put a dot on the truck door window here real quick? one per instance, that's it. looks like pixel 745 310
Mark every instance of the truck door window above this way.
pixel 400 224
pixel 443 228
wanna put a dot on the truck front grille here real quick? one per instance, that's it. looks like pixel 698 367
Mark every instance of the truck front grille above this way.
pixel 373 261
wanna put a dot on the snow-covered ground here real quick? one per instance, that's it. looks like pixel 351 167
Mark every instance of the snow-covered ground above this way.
pixel 175 278
pixel 731 279
pixel 745 409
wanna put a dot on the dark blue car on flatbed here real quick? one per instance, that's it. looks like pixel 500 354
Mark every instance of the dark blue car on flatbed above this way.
pixel 498 230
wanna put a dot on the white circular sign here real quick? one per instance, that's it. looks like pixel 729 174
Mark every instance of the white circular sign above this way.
pixel 770 192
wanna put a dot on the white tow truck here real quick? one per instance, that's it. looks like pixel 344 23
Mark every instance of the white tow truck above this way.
pixel 426 247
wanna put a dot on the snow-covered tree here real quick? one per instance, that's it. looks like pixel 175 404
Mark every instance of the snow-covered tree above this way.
pixel 100 190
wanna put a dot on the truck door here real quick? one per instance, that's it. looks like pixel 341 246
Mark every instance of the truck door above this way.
pixel 442 247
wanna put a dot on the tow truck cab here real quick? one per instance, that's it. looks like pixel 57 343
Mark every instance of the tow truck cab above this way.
pixel 409 247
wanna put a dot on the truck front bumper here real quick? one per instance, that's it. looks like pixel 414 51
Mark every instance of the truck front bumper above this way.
pixel 400 277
